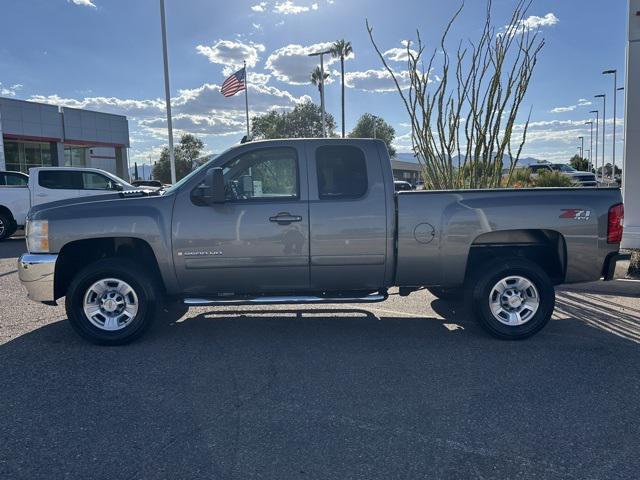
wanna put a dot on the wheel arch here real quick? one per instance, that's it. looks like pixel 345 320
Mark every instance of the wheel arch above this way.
pixel 75 255
pixel 547 248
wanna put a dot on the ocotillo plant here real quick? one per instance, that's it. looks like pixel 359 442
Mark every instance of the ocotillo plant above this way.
pixel 462 124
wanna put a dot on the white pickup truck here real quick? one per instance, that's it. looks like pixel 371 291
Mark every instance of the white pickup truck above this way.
pixel 19 192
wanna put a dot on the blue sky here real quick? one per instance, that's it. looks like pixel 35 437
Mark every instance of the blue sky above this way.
pixel 106 55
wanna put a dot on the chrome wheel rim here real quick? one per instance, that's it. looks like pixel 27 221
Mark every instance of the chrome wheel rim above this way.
pixel 1 228
pixel 514 300
pixel 110 304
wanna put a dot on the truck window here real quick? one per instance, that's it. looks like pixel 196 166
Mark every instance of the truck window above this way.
pixel 15 180
pixel 60 179
pixel 342 172
pixel 95 181
pixel 265 174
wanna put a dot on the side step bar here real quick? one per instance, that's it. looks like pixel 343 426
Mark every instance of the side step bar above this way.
pixel 284 300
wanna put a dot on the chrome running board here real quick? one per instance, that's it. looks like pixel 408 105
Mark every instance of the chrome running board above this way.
pixel 284 300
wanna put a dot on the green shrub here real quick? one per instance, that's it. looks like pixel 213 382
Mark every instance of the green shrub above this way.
pixel 553 179
pixel 521 177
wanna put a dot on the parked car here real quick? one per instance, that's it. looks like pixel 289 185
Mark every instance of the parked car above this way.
pixel 149 184
pixel 315 221
pixel 584 179
pixel 402 186
pixel 19 192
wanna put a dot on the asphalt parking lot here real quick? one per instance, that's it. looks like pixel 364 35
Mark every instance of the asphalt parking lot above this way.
pixel 410 388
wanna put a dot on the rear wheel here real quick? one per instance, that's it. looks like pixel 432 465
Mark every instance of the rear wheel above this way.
pixel 512 300
pixel 111 302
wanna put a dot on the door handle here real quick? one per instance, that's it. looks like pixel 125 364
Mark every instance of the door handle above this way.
pixel 285 218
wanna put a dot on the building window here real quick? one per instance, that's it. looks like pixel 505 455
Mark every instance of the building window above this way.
pixel 75 157
pixel 21 156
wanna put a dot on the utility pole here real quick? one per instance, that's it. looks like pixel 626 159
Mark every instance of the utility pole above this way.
pixel 597 112
pixel 167 91
pixel 591 142
pixel 604 123
pixel 615 104
pixel 581 147
pixel 321 55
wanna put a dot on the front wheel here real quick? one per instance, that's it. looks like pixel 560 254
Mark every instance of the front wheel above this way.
pixel 513 299
pixel 111 302
pixel 7 226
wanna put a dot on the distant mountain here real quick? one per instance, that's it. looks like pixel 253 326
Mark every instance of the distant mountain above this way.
pixel 523 161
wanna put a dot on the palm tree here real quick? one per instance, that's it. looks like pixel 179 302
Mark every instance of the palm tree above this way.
pixel 316 73
pixel 342 49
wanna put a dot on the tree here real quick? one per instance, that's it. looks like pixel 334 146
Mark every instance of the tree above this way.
pixel 314 78
pixel 186 154
pixel 341 49
pixel 579 163
pixel 371 126
pixel 304 121
pixel 468 108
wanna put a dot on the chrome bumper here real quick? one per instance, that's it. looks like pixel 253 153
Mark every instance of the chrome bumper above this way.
pixel 617 266
pixel 36 272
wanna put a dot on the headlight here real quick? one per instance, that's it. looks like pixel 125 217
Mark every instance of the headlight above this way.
pixel 37 232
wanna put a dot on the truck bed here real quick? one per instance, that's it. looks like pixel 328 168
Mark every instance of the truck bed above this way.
pixel 437 229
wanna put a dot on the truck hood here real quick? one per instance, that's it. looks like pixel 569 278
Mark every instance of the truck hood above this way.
pixel 68 202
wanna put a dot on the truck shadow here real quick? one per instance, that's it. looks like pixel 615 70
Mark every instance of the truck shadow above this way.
pixel 12 248
pixel 248 393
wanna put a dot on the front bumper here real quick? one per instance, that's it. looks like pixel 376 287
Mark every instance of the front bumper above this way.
pixel 616 266
pixel 36 272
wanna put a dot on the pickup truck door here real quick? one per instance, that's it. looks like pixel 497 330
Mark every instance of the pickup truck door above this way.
pixel 348 211
pixel 257 241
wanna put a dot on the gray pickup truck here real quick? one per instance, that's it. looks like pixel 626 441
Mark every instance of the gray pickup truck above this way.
pixel 315 221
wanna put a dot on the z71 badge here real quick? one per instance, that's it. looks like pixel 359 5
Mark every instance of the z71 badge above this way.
pixel 576 213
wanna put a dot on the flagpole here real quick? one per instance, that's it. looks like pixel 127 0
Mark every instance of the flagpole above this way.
pixel 246 95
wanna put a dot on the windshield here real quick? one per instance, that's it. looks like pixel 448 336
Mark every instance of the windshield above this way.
pixel 563 167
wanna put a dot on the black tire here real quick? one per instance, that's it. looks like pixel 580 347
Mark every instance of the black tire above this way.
pixel 7 226
pixel 448 294
pixel 144 286
pixel 481 287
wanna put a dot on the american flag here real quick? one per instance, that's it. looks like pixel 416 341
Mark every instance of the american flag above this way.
pixel 235 83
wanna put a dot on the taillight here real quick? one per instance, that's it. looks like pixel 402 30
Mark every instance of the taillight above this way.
pixel 614 227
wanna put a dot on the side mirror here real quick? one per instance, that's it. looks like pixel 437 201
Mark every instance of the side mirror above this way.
pixel 117 187
pixel 214 185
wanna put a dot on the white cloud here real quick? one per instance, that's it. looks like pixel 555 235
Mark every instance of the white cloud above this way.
pixel 129 107
pixel 532 22
pixel 292 63
pixel 570 108
pixel 232 53
pixel 84 3
pixel 399 54
pixel 582 102
pixel 376 80
pixel 11 90
pixel 289 8
pixel 260 7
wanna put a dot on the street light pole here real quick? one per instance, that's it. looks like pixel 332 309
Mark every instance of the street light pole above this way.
pixel 581 147
pixel 321 55
pixel 604 123
pixel 167 92
pixel 591 143
pixel 597 112
pixel 615 96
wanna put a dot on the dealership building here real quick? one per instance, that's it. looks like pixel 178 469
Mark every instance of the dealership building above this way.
pixel 40 135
